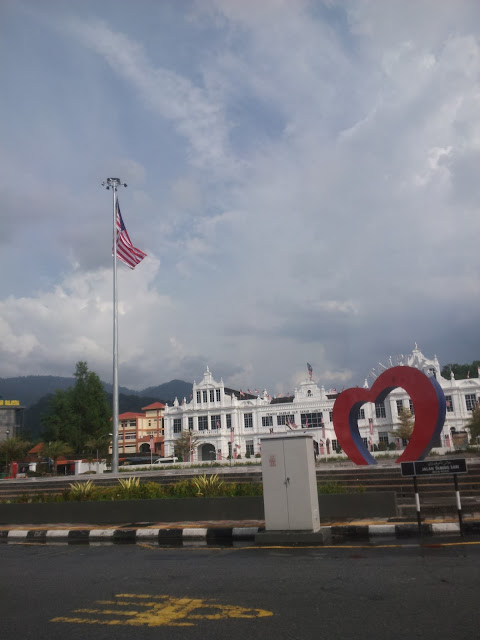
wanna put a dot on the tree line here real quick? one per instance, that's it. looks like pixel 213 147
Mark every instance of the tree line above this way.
pixel 461 371
pixel 78 422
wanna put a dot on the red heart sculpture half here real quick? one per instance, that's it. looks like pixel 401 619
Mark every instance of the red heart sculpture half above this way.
pixel 428 402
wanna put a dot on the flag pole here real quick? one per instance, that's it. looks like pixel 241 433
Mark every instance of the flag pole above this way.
pixel 114 183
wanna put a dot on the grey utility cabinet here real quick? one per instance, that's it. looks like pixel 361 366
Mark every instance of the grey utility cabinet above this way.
pixel 289 483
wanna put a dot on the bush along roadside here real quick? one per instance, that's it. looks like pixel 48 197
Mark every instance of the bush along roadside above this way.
pixel 134 489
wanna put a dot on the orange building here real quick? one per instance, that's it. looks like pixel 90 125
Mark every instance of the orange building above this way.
pixel 136 430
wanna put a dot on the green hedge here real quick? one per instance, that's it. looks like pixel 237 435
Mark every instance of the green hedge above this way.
pixel 143 491
pixel 136 490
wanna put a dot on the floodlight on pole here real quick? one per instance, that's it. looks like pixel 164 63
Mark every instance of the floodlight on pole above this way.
pixel 113 184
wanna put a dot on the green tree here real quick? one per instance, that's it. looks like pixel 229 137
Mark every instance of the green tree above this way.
pixel 185 444
pixel 79 413
pixel 473 425
pixel 13 449
pixel 461 371
pixel 55 450
pixel 98 447
pixel 405 429
pixel 59 421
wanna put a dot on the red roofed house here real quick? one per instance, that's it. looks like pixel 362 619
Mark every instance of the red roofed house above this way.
pixel 136 429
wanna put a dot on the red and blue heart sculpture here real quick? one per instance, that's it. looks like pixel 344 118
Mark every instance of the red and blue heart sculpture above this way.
pixel 428 402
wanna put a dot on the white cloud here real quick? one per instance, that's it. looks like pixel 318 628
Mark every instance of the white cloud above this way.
pixel 172 96
pixel 305 172
pixel 49 332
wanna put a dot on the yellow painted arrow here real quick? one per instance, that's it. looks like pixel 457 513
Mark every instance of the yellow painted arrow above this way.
pixel 158 611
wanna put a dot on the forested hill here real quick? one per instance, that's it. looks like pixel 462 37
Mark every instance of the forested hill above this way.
pixel 33 427
pixel 168 390
pixel 31 389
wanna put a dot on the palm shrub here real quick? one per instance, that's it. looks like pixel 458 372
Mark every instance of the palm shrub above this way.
pixel 128 489
pixel 55 450
pixel 12 449
pixel 81 491
pixel 208 486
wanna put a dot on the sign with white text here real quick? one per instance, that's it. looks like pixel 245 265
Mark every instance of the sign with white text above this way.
pixel 434 467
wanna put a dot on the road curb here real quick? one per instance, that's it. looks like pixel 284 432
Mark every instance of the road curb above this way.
pixel 224 535
pixel 211 535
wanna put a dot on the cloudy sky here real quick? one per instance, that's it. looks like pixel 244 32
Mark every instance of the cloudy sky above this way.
pixel 303 175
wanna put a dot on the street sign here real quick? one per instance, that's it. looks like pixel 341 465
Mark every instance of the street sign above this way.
pixel 434 467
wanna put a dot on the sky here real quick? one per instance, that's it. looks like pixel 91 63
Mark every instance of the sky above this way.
pixel 303 176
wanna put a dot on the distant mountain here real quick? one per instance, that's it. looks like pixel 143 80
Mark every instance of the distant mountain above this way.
pixel 170 390
pixel 31 389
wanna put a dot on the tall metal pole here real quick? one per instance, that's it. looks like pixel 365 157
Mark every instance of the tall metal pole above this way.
pixel 114 183
pixel 115 340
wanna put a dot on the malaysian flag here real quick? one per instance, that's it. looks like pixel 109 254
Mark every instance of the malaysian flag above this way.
pixel 323 428
pixel 291 423
pixel 126 252
pixel 151 443
pixel 370 423
pixel 310 370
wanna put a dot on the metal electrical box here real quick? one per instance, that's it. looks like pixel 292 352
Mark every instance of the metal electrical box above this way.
pixel 289 483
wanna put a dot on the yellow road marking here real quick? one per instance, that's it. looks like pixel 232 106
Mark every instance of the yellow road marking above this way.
pixel 159 611
pixel 318 547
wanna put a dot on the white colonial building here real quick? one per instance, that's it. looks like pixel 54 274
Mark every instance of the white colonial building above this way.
pixel 227 422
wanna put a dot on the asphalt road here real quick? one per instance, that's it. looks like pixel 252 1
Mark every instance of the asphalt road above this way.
pixel 144 591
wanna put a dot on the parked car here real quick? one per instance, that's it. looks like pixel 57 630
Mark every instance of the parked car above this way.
pixel 165 460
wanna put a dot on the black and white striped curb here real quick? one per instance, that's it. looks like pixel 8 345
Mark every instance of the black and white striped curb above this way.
pixel 211 535
pixel 405 530
pixel 219 535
